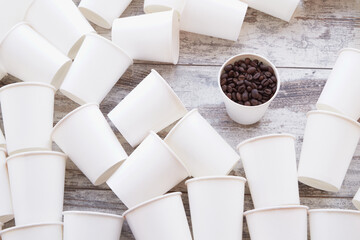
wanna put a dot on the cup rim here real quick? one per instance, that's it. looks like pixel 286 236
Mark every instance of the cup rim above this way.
pixel 197 179
pixel 175 16
pixel 94 34
pixel 77 212
pixel 171 151
pixel 349 49
pixel 32 153
pixel 276 209
pixel 335 210
pixel 273 135
pixel 338 115
pixel 41 84
pixel 30 226
pixel 150 201
pixel 179 123
pixel 248 54
pixel 67 116
pixel 14 27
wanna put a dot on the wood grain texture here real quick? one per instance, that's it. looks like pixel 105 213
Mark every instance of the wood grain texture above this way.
pixel 304 50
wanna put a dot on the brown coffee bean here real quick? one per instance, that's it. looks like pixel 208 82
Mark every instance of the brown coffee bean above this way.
pixel 243 65
pixel 223 81
pixel 229 89
pixel 256 76
pixel 255 93
pixel 261 77
pixel 241 77
pixel 224 88
pixel 224 75
pixel 228 95
pixel 241 69
pixel 245 96
pixel 248 88
pixel 254 102
pixel 247 103
pixel 253 64
pixel 231 85
pixel 241 89
pixel 241 82
pixel 227 68
pixel 237 74
pixel 268 74
pixel 270 69
pixel 247 61
pixel 249 77
pixel 267 91
pixel 263 67
pixel 231 73
pixel 247 83
pixel 233 95
pixel 274 90
pixel 251 70
pixel 238 96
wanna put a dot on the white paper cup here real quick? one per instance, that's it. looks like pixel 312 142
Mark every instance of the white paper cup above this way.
pixel 340 92
pixel 270 167
pixel 149 37
pixel 216 18
pixel 356 200
pixel 151 106
pixel 217 206
pixel 27 110
pixel 60 22
pixel 200 147
pixel 283 9
pixel 151 6
pixel 247 114
pixel 79 225
pixel 103 12
pixel 98 65
pixel 143 174
pixel 278 223
pixel 2 140
pixel 330 141
pixel 43 231
pixel 37 182
pixel 25 54
pixel 334 224
pixel 161 218
pixel 6 209
pixel 86 137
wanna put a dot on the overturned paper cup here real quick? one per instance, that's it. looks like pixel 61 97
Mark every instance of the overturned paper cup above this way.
pixel 217 206
pixel 86 137
pixel 47 15
pixel 216 18
pixel 104 12
pixel 149 37
pixel 276 8
pixel 356 200
pixel 42 231
pixel 6 209
pixel 270 167
pixel 330 141
pixel 151 6
pixel 200 147
pixel 27 110
pixel 98 65
pixel 143 174
pixel 37 182
pixel 334 224
pixel 278 223
pixel 161 218
pixel 25 54
pixel 247 114
pixel 92 226
pixel 340 92
pixel 151 106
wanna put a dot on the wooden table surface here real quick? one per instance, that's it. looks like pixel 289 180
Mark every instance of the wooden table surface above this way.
pixel 304 51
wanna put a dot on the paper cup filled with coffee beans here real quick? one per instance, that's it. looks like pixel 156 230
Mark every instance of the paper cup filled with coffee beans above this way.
pixel 249 83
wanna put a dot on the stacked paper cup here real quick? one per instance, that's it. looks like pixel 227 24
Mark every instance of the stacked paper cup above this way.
pixel 270 167
pixel 323 164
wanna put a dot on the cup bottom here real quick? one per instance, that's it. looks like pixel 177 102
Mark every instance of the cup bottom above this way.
pixel 354 201
pixel 61 74
pixel 319 184
pixel 75 49
pixel 95 18
pixel 6 218
pixel 106 175
pixel 325 107
pixel 72 97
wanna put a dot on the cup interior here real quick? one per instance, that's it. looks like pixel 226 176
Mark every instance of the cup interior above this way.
pixel 95 17
pixel 317 183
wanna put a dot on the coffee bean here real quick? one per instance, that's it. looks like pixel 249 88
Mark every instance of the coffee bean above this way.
pixel 223 81
pixel 253 64
pixel 248 88
pixel 255 93
pixel 247 103
pixel 238 96
pixel 228 95
pixel 267 91
pixel 224 88
pixel 268 74
pixel 241 89
pixel 241 77
pixel 247 61
pixel 263 67
pixel 237 74
pixel 231 73
pixel 247 83
pixel 251 70
pixel 254 102
pixel 271 70
pixel 233 96
pixel 241 69
pixel 245 96
pixel 249 77
pixel 229 89
pixel 256 76
pixel 224 75
pixel 231 85
pixel 243 65
pixel 228 68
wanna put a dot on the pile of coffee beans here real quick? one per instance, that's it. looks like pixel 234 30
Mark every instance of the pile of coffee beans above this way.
pixel 249 82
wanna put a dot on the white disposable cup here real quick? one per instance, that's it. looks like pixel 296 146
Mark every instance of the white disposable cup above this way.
pixel 278 223
pixel 98 65
pixel 340 92
pixel 149 37
pixel 200 147
pixel 217 206
pixel 151 6
pixel 43 231
pixel 60 22
pixel 161 218
pixel 270 167
pixel 330 141
pixel 25 54
pixel 37 182
pixel 86 137
pixel 6 209
pixel 11 13
pixel 283 9
pixel 80 225
pixel 216 18
pixel 27 110
pixel 143 174
pixel 103 12
pixel 2 140
pixel 247 114
pixel 356 200
pixel 334 224
pixel 150 106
